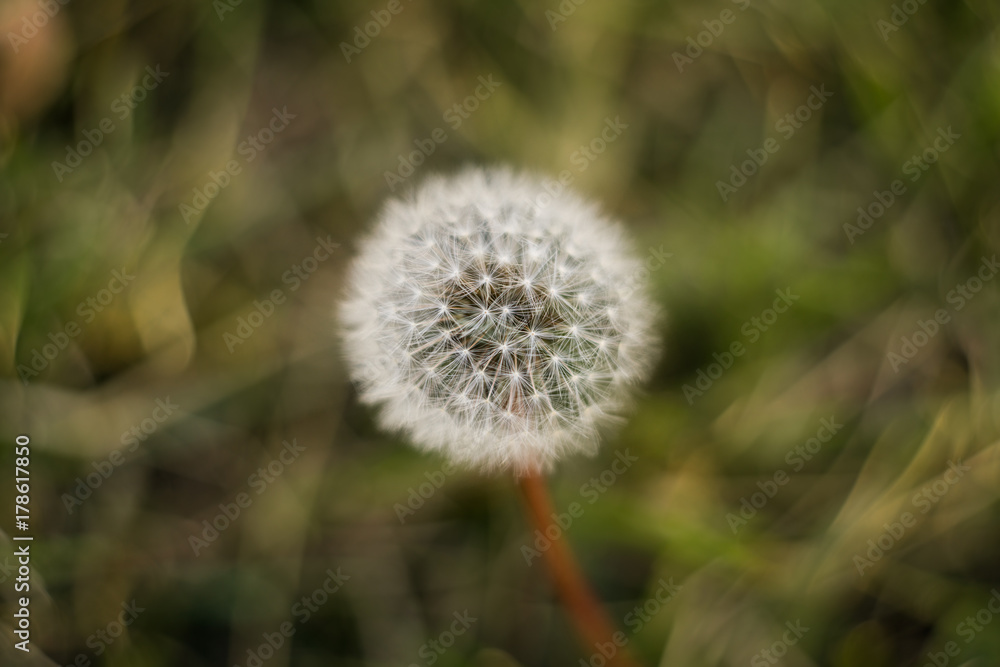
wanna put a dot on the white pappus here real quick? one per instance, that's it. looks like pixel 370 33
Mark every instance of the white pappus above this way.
pixel 495 330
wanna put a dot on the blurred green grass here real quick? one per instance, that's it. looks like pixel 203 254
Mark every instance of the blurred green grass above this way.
pixel 324 175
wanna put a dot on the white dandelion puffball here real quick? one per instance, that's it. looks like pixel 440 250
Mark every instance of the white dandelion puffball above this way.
pixel 494 323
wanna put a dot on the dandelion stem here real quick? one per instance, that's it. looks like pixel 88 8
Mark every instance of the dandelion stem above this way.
pixel 590 618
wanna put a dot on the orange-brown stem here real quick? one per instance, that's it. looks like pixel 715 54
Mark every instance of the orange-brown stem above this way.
pixel 590 618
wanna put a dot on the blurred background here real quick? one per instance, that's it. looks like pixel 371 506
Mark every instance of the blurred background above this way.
pixel 815 185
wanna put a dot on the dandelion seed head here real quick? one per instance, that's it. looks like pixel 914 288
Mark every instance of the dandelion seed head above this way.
pixel 502 334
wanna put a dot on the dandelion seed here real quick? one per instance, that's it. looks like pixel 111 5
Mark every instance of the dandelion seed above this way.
pixel 530 334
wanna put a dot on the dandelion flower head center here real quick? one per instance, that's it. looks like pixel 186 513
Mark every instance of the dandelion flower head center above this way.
pixel 500 320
